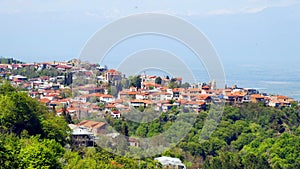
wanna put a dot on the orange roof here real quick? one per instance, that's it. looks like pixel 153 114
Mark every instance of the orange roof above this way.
pixel 176 89
pixel 44 100
pixel 111 71
pixel 141 101
pixel 143 94
pixel 107 96
pixel 241 94
pixel 132 140
pixel 51 94
pixel 91 124
pixel 257 96
pixel 155 94
pixel 203 96
pixel 95 95
pixel 61 110
pixel 118 101
pixel 237 94
pixel 55 102
pixel 71 109
pixel 110 106
pixel 127 92
pixel 165 93
pixel 196 103
pixel 164 101
pixel 281 97
pixel 194 89
pixel 151 84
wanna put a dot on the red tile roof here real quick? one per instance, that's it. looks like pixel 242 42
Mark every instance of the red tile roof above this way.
pixel 45 100
pixel 91 124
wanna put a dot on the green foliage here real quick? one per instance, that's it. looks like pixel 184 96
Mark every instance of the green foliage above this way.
pixel 158 80
pixel 225 159
pixel 124 129
pixel 9 150
pixel 20 112
pixel 93 99
pixel 56 128
pixel 246 137
pixel 25 116
pixel 142 130
pixel 135 81
pixel 141 108
pixel 36 153
pixel 9 61
pixel 31 72
pixel 113 91
pixel 6 88
pixel 185 85
pixel 30 152
pixel 250 136
pixel 125 83
pixel 173 85
pixel 285 152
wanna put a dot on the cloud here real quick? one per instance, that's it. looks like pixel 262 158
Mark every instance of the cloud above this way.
pixel 252 7
pixel 114 9
pixel 91 14
pixel 254 10
pixel 221 12
pixel 112 13
pixel 192 13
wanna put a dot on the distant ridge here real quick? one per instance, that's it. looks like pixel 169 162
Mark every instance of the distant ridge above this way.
pixel 9 61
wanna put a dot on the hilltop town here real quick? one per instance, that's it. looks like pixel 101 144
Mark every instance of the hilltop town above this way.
pixel 70 86
pixel 83 90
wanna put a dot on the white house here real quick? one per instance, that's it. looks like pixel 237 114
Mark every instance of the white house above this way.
pixel 107 98
pixel 170 162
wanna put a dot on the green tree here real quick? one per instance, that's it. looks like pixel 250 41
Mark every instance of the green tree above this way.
pixel 36 153
pixel 154 128
pixel 173 84
pixel 158 80
pixel 142 130
pixel 125 83
pixel 114 91
pixel 136 81
pixel 20 112
pixel 285 152
pixel 6 88
pixel 9 150
pixel 252 161
pixel 185 85
pixel 124 129
pixel 56 128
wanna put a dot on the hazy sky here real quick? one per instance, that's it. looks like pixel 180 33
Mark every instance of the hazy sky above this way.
pixel 247 31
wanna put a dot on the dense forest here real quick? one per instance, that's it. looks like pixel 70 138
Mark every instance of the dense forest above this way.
pixel 252 136
pixel 248 136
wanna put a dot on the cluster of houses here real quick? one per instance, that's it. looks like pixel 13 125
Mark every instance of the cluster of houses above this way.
pixel 85 99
